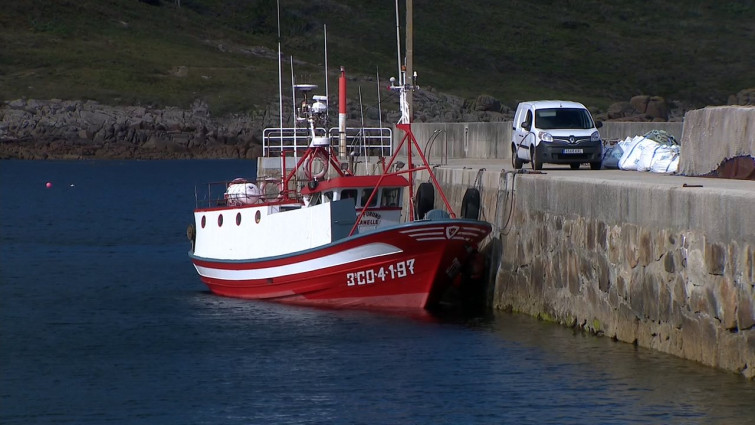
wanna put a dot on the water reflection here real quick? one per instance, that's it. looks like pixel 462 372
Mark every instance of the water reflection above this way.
pixel 373 367
pixel 632 383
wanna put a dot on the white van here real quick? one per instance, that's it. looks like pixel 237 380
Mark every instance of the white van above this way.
pixel 557 132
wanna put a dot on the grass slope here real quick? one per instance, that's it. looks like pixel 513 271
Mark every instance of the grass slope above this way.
pixel 224 51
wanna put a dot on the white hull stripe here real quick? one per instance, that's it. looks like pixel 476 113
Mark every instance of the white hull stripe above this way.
pixel 442 233
pixel 344 257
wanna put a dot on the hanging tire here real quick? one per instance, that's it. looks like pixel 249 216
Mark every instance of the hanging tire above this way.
pixel 191 235
pixel 423 200
pixel 470 204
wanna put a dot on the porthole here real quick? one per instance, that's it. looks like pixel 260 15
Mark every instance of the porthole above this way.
pixel 220 220
pixel 257 217
pixel 238 219
pixel 204 221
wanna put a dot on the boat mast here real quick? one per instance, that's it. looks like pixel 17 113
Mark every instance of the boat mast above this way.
pixel 325 53
pixel 405 89
pixel 380 106
pixel 401 85
pixel 280 83
pixel 342 115
pixel 398 44
pixel 293 102
pixel 409 55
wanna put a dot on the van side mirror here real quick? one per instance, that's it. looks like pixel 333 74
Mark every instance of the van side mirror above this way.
pixel 598 124
pixel 526 125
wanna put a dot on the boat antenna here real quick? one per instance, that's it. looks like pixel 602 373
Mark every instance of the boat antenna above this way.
pixel 410 73
pixel 327 91
pixel 280 84
pixel 398 42
pixel 361 133
pixel 380 106
pixel 293 100
pixel 380 111
pixel 401 86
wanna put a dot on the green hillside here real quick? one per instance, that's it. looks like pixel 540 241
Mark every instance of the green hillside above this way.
pixel 224 51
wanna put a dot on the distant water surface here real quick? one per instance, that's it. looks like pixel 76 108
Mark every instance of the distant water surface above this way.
pixel 103 320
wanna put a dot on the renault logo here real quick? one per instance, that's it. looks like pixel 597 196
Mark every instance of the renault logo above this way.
pixel 572 139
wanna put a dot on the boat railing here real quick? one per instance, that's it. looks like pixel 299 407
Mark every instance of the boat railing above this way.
pixel 277 140
pixel 362 141
pixel 216 194
pixel 210 195
pixel 365 141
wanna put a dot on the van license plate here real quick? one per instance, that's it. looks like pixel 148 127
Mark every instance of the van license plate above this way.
pixel 572 150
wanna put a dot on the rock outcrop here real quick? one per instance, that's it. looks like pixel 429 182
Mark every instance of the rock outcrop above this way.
pixel 60 129
pixel 74 129
pixel 744 97
pixel 640 109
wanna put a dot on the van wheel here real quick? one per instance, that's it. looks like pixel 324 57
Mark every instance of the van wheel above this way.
pixel 534 160
pixel 595 165
pixel 516 162
pixel 574 165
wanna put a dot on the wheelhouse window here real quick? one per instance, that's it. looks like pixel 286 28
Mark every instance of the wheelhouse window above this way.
pixel 366 193
pixel 349 193
pixel 391 197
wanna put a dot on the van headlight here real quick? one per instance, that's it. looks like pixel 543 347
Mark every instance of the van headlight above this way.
pixel 545 137
pixel 595 137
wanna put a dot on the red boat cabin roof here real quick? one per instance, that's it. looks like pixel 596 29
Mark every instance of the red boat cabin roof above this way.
pixel 348 182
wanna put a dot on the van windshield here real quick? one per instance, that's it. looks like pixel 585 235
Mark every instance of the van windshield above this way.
pixel 563 118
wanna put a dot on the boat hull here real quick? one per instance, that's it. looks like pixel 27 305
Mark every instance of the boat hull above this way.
pixel 405 267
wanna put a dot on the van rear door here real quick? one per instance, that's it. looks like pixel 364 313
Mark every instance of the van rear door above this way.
pixel 519 133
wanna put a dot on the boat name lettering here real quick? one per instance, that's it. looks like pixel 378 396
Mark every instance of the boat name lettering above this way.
pixel 370 218
pixel 393 271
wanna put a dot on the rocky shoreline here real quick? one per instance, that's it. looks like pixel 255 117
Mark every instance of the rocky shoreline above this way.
pixel 75 129
pixel 61 129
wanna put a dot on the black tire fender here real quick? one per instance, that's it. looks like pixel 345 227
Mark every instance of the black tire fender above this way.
pixel 424 200
pixel 470 204
pixel 191 235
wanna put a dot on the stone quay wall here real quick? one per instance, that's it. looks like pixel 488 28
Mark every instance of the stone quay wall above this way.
pixel 621 260
pixel 663 266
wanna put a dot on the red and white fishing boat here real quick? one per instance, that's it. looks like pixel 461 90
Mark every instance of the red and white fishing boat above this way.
pixel 322 235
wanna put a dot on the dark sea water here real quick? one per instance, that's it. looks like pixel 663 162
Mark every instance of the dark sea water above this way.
pixel 103 320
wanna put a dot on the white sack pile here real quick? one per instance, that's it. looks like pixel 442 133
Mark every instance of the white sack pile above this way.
pixel 656 151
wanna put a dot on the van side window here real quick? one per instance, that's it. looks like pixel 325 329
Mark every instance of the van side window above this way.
pixel 528 121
